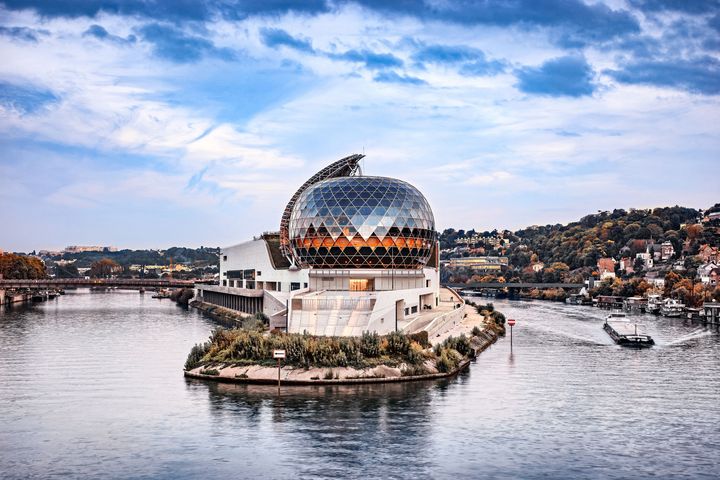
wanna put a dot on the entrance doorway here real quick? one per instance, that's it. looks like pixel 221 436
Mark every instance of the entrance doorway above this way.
pixel 361 284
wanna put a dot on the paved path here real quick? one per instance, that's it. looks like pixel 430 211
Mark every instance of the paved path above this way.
pixel 447 304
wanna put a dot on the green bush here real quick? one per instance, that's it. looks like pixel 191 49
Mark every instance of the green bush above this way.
pixel 447 361
pixel 476 331
pixel 196 354
pixel 498 317
pixel 421 338
pixel 370 344
pixel 210 371
pixel 460 344
pixel 329 375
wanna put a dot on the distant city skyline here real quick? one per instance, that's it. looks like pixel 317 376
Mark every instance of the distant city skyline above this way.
pixel 151 125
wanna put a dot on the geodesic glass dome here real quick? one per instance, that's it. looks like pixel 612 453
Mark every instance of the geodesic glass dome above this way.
pixel 362 222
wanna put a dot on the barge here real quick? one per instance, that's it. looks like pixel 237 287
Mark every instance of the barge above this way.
pixel 625 332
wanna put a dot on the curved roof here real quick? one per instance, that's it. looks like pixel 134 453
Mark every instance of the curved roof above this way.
pixel 342 168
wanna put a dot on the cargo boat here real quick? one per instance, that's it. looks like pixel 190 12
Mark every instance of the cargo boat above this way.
pixel 626 333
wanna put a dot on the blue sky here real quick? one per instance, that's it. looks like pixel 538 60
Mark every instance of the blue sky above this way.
pixel 152 123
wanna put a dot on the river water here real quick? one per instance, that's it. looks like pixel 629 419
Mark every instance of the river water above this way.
pixel 91 386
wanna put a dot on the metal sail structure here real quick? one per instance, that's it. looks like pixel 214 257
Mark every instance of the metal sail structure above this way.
pixel 344 167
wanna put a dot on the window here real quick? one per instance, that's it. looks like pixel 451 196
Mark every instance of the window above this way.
pixel 259 273
pixel 414 309
pixel 360 284
pixel 427 283
pixel 224 283
pixel 295 286
pixel 407 311
pixel 234 274
pixel 224 258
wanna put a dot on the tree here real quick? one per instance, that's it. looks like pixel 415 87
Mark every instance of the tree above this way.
pixel 66 271
pixel 21 267
pixel 105 268
pixel 671 278
pixel 638 265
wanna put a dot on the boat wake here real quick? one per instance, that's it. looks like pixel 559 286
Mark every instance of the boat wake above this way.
pixel 695 334
pixel 561 333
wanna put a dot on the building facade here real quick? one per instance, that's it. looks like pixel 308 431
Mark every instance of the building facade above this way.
pixel 354 253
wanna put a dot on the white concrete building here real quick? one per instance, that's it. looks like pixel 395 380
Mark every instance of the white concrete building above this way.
pixel 353 254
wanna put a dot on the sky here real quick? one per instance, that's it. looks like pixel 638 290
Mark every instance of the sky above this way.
pixel 154 123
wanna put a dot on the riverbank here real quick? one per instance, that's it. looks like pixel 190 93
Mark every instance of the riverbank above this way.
pixel 441 361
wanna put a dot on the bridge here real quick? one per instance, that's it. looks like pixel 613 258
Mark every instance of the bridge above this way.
pixel 59 283
pixel 518 285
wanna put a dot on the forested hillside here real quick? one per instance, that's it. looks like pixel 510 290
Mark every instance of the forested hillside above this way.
pixel 605 234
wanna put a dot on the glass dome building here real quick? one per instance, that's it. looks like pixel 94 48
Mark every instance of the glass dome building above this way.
pixel 361 222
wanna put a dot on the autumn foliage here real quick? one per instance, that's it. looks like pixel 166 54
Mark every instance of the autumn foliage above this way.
pixel 21 267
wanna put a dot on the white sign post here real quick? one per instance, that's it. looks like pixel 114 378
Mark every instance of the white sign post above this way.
pixel 279 354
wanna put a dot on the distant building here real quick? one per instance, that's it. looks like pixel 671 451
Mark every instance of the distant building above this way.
pixel 711 217
pixel 704 272
pixel 655 279
pixel 480 264
pixel 626 265
pixel 91 248
pixel 647 258
pixel 708 254
pixel 666 251
pixel 606 267
pixel 714 276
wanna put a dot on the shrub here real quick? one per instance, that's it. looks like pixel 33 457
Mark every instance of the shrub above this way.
pixel 421 338
pixel 329 375
pixel 196 354
pixel 476 331
pixel 370 344
pixel 210 371
pixel 398 343
pixel 498 317
pixel 447 361
pixel 460 344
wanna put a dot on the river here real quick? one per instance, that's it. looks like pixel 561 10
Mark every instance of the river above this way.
pixel 91 386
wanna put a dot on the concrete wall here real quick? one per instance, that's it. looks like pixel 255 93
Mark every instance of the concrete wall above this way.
pixel 254 255
pixel 344 313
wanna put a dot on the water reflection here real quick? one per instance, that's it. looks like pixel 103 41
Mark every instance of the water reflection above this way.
pixel 352 430
pixel 91 386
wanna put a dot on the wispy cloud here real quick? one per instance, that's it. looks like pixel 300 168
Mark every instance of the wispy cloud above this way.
pixel 171 43
pixel 698 75
pixel 276 37
pixel 394 77
pixel 25 99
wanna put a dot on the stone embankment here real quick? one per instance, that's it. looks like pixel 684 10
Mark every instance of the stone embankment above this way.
pixel 225 316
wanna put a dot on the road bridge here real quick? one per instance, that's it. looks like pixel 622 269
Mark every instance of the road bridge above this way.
pixel 518 285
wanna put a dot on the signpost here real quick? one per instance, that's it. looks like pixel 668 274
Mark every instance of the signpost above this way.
pixel 279 354
pixel 511 322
